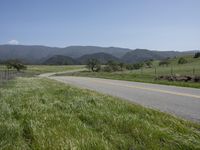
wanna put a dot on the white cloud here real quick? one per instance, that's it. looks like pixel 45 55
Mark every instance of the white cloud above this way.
pixel 13 42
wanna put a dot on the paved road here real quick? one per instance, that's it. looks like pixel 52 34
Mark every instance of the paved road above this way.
pixel 180 101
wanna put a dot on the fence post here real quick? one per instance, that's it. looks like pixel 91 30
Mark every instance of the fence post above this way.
pixel 193 71
pixel 171 70
pixel 5 75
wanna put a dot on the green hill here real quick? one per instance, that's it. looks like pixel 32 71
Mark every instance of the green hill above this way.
pixel 101 57
pixel 60 60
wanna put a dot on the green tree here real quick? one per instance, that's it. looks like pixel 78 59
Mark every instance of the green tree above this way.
pixel 197 55
pixel 138 65
pixel 112 66
pixel 182 61
pixel 15 64
pixel 93 65
pixel 149 64
pixel 121 65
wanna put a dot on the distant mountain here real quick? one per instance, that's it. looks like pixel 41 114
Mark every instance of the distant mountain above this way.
pixel 140 55
pixel 38 54
pixel 102 57
pixel 78 51
pixel 60 60
pixel 35 54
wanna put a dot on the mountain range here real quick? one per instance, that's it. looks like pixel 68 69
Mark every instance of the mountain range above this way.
pixel 80 54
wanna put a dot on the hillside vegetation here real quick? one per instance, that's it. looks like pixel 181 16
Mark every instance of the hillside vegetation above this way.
pixel 44 114
pixel 146 74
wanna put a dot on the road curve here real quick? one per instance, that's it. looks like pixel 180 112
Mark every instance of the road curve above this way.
pixel 180 101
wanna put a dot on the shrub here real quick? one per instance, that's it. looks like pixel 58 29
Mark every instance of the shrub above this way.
pixel 197 55
pixel 182 61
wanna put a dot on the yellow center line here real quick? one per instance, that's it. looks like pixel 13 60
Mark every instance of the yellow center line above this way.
pixel 150 89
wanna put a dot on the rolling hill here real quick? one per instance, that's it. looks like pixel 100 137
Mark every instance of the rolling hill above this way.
pixel 102 57
pixel 60 60
pixel 140 55
pixel 38 54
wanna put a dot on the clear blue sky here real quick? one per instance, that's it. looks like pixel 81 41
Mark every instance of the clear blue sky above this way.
pixel 152 24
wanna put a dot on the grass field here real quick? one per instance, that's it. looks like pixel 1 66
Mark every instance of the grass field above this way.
pixel 39 69
pixel 44 114
pixel 149 75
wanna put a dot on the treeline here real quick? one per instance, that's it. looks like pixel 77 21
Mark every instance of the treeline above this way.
pixel 95 65
pixel 111 66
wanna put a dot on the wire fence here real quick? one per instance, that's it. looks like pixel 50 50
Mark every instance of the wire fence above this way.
pixel 8 74
pixel 157 71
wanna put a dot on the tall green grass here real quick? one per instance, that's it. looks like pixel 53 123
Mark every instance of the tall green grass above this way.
pixel 40 113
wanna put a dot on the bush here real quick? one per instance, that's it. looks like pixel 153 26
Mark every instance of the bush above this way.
pixel 182 61
pixel 197 55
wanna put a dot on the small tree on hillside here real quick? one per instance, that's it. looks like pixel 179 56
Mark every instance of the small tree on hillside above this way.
pixel 197 55
pixel 182 61
pixel 93 65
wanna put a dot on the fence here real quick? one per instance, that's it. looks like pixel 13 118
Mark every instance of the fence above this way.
pixel 170 70
pixel 6 75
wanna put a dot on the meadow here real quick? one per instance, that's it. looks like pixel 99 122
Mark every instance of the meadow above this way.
pixel 38 113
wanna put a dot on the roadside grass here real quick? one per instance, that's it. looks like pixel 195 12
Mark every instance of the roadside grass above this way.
pixel 39 69
pixel 131 76
pixel 39 113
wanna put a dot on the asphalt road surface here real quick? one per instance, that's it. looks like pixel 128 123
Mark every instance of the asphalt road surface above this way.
pixel 180 101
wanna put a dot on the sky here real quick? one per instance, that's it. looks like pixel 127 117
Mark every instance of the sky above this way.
pixel 151 24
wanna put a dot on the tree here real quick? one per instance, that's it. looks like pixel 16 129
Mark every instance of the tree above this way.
pixel 138 65
pixel 93 65
pixel 197 55
pixel 112 66
pixel 149 64
pixel 129 66
pixel 182 61
pixel 15 64
pixel 121 65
